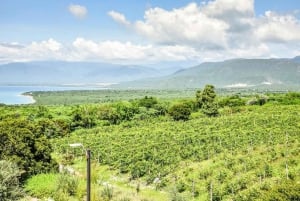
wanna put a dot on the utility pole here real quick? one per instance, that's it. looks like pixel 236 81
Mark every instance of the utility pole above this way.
pixel 88 175
pixel 88 169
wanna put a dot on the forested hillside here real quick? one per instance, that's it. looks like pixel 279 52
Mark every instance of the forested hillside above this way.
pixel 235 73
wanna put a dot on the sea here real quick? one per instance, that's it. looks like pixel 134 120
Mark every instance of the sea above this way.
pixel 12 95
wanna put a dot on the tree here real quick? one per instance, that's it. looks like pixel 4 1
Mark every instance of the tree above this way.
pixel 9 182
pixel 147 102
pixel 83 117
pixel 22 142
pixel 180 111
pixel 206 100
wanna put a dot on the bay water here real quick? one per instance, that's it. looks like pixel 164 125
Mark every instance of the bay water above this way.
pixel 12 95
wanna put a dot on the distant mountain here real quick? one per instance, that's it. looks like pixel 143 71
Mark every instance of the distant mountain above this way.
pixel 61 72
pixel 231 73
pixel 297 59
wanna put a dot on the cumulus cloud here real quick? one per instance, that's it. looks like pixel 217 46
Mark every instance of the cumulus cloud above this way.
pixel 83 49
pixel 186 26
pixel 273 27
pixel 208 25
pixel 228 27
pixel 43 50
pixel 118 17
pixel 208 31
pixel 78 10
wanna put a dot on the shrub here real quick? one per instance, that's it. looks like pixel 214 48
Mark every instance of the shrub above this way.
pixel 180 111
pixel 67 184
pixel 107 193
pixel 24 143
pixel 9 182
pixel 147 102
pixel 42 185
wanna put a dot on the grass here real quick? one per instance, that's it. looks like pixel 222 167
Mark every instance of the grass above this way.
pixel 42 185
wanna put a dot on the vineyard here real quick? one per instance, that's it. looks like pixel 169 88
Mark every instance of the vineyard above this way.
pixel 246 155
pixel 201 147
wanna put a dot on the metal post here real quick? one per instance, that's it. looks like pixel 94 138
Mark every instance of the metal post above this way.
pixel 88 175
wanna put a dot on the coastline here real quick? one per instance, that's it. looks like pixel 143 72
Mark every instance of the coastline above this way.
pixel 29 97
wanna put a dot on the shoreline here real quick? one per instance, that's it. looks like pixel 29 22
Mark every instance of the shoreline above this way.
pixel 29 97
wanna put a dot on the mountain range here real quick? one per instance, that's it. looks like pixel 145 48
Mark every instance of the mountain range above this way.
pixel 233 73
pixel 62 72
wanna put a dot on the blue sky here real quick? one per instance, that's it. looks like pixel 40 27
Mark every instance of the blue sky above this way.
pixel 148 31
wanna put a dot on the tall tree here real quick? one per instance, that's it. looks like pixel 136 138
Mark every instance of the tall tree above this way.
pixel 206 100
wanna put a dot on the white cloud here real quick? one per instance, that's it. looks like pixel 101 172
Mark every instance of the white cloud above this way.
pixel 83 49
pixel 224 7
pixel 118 17
pixel 209 25
pixel 49 45
pixel 273 27
pixel 128 52
pixel 208 31
pixel 78 10
pixel 184 26
pixel 44 50
pixel 107 50
pixel 220 29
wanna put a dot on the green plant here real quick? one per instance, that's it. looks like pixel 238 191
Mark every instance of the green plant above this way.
pixel 206 100
pixel 42 185
pixel 180 111
pixel 107 192
pixel 67 184
pixel 23 142
pixel 9 182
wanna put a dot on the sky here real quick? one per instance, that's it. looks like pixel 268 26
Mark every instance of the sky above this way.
pixel 148 31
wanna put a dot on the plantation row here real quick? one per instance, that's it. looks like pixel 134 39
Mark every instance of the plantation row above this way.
pixel 204 147
pixel 262 137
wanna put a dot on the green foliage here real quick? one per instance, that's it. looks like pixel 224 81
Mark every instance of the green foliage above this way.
pixel 290 98
pixel 126 110
pixel 231 101
pixel 57 186
pixel 67 184
pixel 237 152
pixel 109 113
pixel 210 109
pixel 83 117
pixel 180 111
pixel 105 96
pixel 42 185
pixel 286 190
pixel 24 143
pixel 9 181
pixel 206 100
pixel 107 193
pixel 147 102
pixel 175 195
pixel 247 153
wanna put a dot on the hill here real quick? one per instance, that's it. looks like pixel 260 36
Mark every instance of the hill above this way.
pixel 61 72
pixel 234 73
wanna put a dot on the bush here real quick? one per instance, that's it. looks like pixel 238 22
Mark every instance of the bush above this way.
pixel 9 182
pixel 107 193
pixel 42 185
pixel 67 184
pixel 147 102
pixel 231 101
pixel 24 143
pixel 180 111
pixel 284 191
